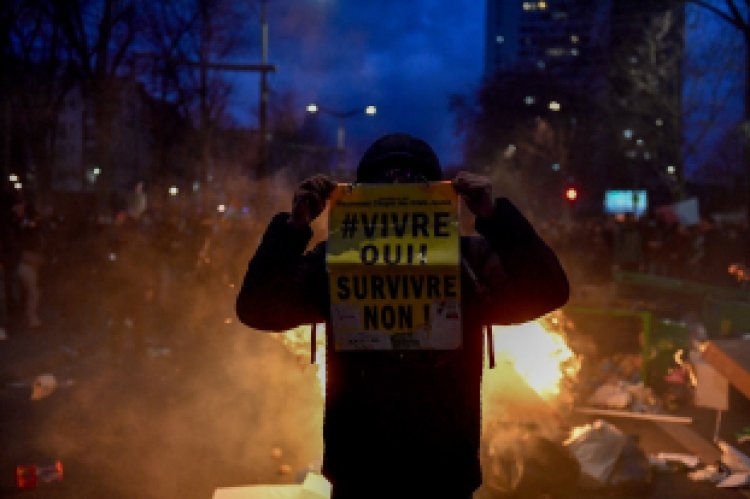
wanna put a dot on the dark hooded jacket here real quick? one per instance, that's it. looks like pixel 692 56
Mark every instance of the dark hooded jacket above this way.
pixel 409 418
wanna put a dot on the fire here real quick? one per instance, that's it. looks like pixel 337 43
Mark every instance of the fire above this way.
pixel 297 340
pixel 536 350
pixel 538 353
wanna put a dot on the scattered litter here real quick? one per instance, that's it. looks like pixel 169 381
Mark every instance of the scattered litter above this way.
pixel 735 480
pixel 687 460
pixel 733 458
pixel 611 396
pixel 713 473
pixel 625 395
pixel 596 447
pixel 732 471
pixel 28 476
pixel 316 484
pixel 43 386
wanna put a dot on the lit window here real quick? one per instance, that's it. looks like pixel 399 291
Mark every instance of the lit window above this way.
pixel 529 100
pixel 659 122
pixel 500 39
pixel 646 155
pixel 627 133
pixel 671 169
pixel 639 142
pixel 630 153
pixel 555 167
pixel 555 52
pixel 529 6
pixel 574 51
pixel 541 5
pixel 574 39
pixel 554 105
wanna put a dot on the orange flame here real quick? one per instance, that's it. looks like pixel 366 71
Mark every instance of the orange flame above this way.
pixel 536 350
pixel 297 340
pixel 538 353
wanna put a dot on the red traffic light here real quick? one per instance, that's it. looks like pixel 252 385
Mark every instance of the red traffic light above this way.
pixel 571 194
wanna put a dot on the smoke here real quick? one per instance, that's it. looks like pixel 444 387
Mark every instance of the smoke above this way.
pixel 208 403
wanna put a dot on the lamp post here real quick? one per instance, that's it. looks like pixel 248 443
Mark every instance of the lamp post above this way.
pixel 341 116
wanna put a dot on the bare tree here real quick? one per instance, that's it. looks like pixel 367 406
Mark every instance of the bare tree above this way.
pixel 731 12
pixel 99 35
pixel 33 86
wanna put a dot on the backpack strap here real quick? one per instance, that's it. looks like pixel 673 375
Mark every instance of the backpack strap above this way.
pixel 481 291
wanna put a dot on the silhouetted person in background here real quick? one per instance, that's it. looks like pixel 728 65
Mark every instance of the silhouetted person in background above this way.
pixel 404 424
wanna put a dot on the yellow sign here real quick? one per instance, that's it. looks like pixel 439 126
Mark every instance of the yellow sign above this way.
pixel 394 267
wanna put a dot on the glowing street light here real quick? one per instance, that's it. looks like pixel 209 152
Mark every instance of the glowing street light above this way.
pixel 369 110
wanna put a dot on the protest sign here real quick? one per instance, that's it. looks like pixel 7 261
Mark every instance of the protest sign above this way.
pixel 394 267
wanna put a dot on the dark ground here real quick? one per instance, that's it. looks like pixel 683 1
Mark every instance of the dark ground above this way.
pixel 206 414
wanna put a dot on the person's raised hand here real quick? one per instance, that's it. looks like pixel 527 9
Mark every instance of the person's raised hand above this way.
pixel 476 191
pixel 309 200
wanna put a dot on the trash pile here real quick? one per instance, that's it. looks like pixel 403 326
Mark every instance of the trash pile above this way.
pixel 732 470
pixel 519 461
pixel 608 458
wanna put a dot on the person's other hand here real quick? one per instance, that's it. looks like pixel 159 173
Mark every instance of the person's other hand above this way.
pixel 476 191
pixel 309 200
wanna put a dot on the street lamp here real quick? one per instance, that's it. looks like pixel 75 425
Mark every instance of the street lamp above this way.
pixel 341 116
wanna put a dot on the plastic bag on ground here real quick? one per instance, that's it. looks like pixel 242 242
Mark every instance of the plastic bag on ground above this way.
pixel 611 396
pixel 596 447
pixel 632 472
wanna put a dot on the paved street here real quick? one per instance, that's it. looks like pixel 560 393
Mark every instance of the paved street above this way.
pixel 206 413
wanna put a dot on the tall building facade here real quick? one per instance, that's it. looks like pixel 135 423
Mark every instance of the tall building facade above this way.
pixel 563 38
pixel 599 49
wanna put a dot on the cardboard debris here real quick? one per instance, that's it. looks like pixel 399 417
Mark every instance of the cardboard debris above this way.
pixel 315 486
pixel 43 386
pixel 687 460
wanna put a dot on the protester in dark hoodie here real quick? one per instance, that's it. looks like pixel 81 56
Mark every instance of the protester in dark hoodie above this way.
pixel 404 424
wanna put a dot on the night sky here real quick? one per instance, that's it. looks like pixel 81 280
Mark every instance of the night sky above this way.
pixel 407 58
pixel 404 57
